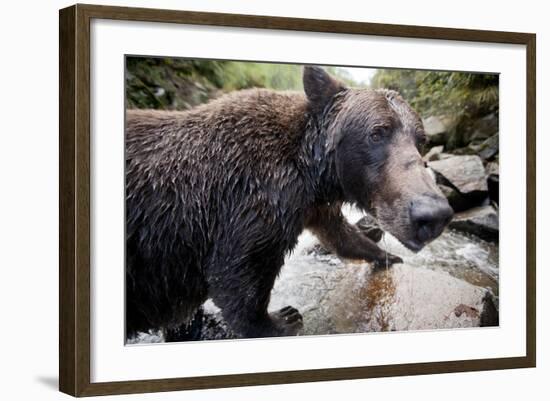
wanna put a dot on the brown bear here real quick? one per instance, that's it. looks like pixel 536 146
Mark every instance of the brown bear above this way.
pixel 217 195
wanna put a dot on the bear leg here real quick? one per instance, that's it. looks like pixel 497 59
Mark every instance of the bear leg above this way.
pixel 244 305
pixel 191 331
pixel 347 240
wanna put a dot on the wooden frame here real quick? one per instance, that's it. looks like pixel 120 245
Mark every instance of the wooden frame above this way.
pixel 74 199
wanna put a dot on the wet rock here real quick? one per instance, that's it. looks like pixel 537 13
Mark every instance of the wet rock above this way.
pixel 437 129
pixel 405 298
pixel 443 156
pixel 481 221
pixel 488 148
pixel 492 168
pixel 433 154
pixel 462 179
pixel 465 173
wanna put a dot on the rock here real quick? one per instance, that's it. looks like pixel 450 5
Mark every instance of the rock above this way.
pixel 481 221
pixel 488 148
pixel 433 154
pixel 466 174
pixel 405 298
pixel 437 129
pixel 470 311
pixel 492 168
pixel 484 127
pixel 468 130
pixel 443 156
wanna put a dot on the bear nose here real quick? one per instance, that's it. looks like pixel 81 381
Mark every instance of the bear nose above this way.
pixel 429 216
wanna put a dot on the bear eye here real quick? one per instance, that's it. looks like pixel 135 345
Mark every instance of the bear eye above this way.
pixel 376 135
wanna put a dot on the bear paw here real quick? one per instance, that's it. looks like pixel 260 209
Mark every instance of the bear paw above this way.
pixel 288 321
pixel 368 227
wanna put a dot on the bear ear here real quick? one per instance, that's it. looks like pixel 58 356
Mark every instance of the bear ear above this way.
pixel 320 87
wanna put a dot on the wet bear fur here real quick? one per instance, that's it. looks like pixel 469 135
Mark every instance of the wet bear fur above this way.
pixel 217 196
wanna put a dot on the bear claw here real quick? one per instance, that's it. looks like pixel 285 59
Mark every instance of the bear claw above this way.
pixel 288 320
pixel 390 261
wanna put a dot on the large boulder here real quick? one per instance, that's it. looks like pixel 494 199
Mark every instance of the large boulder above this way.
pixel 438 129
pixel 462 179
pixel 465 173
pixel 480 221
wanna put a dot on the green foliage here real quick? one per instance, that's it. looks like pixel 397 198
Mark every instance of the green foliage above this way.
pixel 436 92
pixel 241 75
pixel 176 83
pixel 170 83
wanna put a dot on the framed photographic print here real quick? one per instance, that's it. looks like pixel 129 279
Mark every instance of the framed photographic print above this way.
pixel 251 200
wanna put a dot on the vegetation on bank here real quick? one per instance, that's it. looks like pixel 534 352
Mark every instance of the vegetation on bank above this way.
pixel 172 83
pixel 439 92
pixel 176 83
